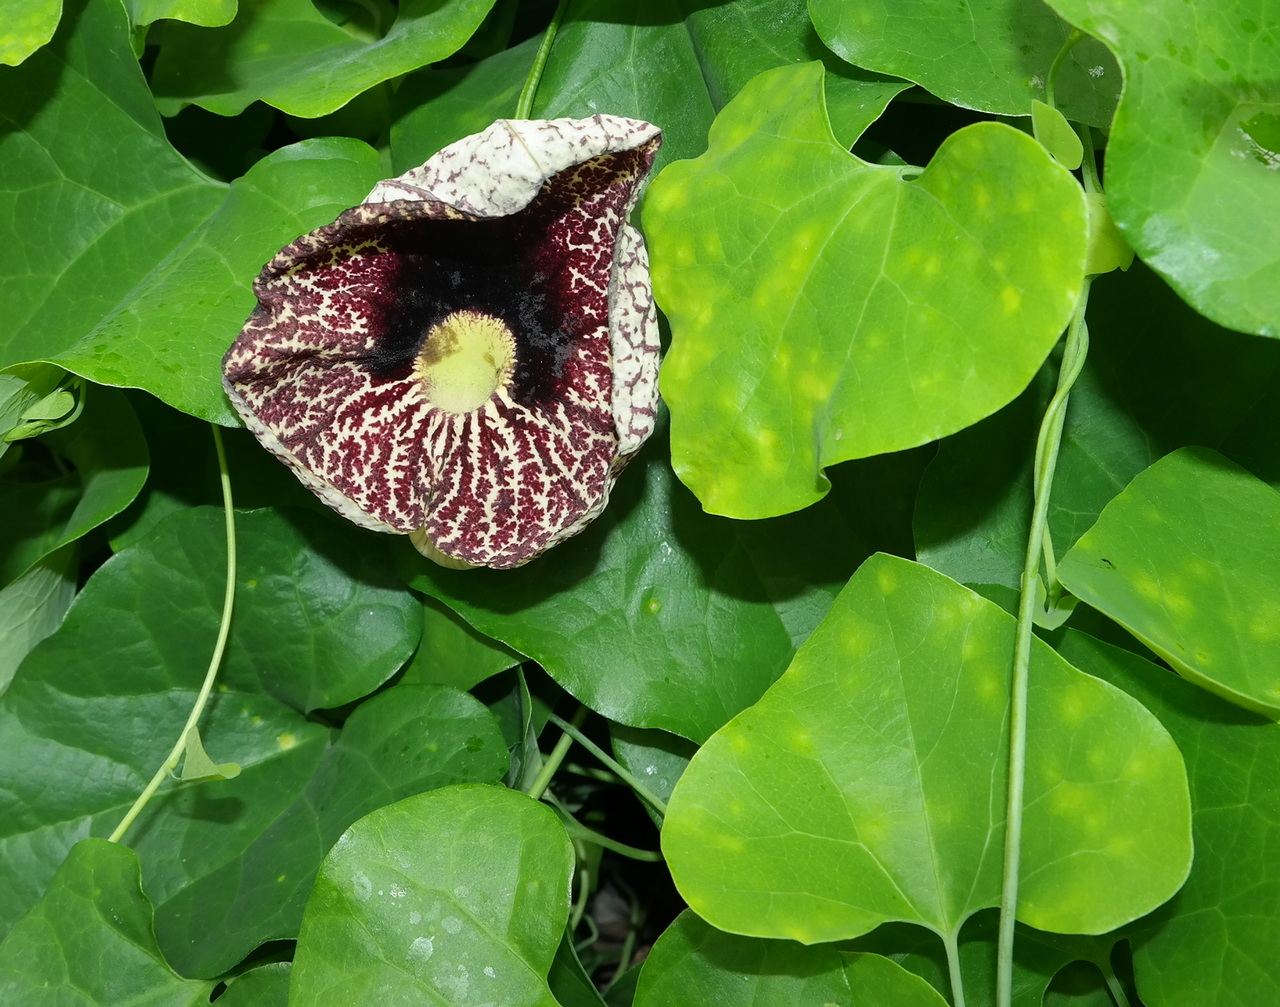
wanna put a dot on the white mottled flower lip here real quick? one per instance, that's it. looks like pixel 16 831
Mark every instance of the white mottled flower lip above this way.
pixel 511 249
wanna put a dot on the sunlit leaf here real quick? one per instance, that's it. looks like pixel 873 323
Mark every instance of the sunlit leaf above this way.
pixel 89 940
pixel 693 964
pixel 873 781
pixel 1185 559
pixel 288 54
pixel 451 897
pixel 27 25
pixel 823 308
pixel 1213 945
pixel 994 58
pixel 1194 151
pixel 1054 131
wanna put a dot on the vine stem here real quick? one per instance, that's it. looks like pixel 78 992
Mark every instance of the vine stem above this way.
pixel 224 629
pixel 524 105
pixel 1047 445
pixel 627 777
pixel 543 780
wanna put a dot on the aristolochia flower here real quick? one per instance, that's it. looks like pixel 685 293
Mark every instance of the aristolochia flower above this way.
pixel 470 356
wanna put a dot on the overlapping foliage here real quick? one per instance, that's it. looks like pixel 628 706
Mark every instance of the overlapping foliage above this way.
pixel 788 623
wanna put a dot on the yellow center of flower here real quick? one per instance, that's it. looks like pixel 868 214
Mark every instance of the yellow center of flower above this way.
pixel 464 360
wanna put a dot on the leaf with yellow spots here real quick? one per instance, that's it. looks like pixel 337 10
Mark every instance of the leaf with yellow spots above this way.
pixel 1186 558
pixel 871 781
pixel 823 308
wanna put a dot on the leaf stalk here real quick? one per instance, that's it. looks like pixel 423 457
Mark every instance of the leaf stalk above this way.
pixel 224 629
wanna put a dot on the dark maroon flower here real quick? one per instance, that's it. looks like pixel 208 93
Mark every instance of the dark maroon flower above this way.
pixel 470 356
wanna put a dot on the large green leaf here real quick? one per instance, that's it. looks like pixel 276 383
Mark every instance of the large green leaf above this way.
pixel 658 615
pixel 169 332
pixel 91 184
pixel 243 890
pixel 823 308
pixel 993 57
pixel 287 54
pixel 105 447
pixel 95 708
pixel 693 964
pixel 456 896
pixel 331 621
pixel 1214 944
pixel 1200 384
pixel 1193 154
pixel 872 781
pixel 89 940
pixel 1187 560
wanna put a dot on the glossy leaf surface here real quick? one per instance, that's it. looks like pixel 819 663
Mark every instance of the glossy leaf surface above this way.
pixel 693 964
pixel 451 897
pixel 658 615
pixel 985 56
pixel 874 781
pixel 1181 560
pixel 1193 153
pixel 151 614
pixel 169 333
pixel 808 297
pixel 89 940
pixel 289 55
pixel 97 188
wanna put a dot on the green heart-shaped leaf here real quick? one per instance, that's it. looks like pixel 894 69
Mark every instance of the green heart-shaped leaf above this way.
pixel 1187 560
pixel 871 781
pixel 1195 147
pixel 823 308
pixel 456 896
